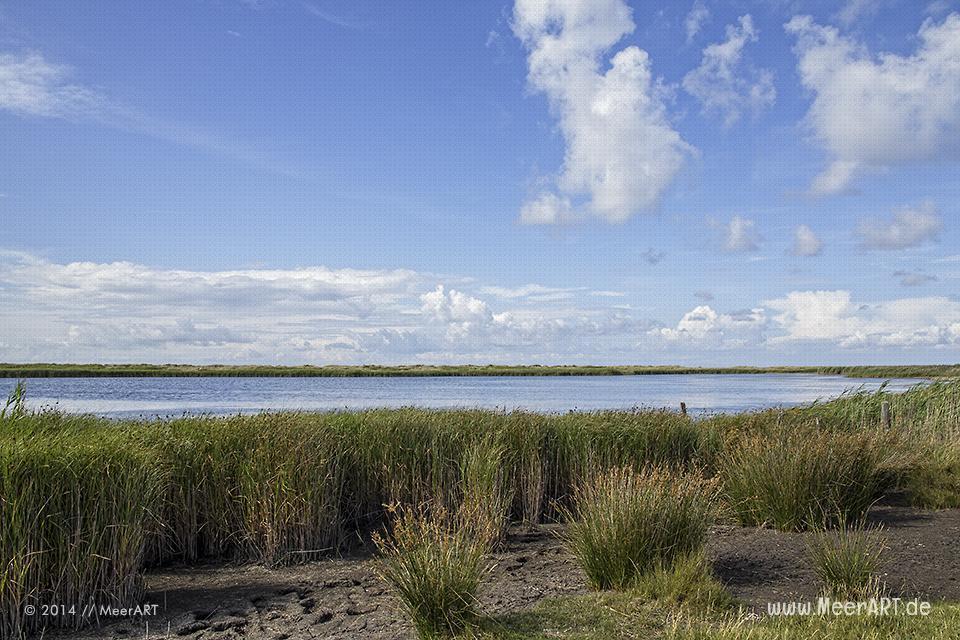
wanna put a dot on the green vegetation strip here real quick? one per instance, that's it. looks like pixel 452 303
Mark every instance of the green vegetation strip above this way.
pixel 88 504
pixel 43 370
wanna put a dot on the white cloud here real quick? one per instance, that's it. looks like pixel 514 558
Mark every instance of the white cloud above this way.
pixel 704 324
pixel 907 228
pixel 739 235
pixel 454 306
pixel 698 16
pixel 124 311
pixel 529 291
pixel 332 18
pixel 31 86
pixel 833 317
pixel 806 242
pixel 854 9
pixel 548 208
pixel 723 84
pixel 621 150
pixel 871 111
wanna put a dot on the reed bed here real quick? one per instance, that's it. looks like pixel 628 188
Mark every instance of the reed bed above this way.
pixel 87 504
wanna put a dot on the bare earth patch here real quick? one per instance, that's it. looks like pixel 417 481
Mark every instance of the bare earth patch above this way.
pixel 343 598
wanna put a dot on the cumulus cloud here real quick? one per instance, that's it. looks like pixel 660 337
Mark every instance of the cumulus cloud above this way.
pixel 123 311
pixel 698 16
pixel 739 235
pixel 832 316
pixel 806 242
pixel 873 111
pixel 454 306
pixel 621 149
pixel 704 324
pixel 909 227
pixel 722 83
pixel 116 312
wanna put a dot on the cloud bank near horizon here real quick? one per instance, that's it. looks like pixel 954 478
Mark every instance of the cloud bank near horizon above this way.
pixel 126 312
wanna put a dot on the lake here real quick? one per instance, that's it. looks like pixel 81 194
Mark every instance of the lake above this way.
pixel 151 397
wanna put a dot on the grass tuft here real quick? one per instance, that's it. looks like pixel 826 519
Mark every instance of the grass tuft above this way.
pixel 435 567
pixel 802 478
pixel 626 524
pixel 847 562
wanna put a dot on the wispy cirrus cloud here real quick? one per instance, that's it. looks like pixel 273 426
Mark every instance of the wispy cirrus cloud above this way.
pixel 333 18
pixel 33 87
pixel 698 16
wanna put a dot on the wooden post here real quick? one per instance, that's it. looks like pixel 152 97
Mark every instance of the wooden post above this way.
pixel 683 408
pixel 885 414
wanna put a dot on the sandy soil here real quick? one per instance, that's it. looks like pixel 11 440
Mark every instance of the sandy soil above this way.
pixel 343 598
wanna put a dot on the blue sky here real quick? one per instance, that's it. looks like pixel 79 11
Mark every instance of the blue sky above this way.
pixel 766 182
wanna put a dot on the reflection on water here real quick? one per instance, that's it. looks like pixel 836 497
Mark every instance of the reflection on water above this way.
pixel 149 397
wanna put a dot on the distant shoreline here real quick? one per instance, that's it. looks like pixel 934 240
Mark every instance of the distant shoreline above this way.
pixel 44 370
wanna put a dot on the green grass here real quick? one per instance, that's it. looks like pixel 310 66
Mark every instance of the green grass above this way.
pixel 847 562
pixel 88 504
pixel 802 478
pixel 626 524
pixel 55 370
pixel 635 615
pixel 435 566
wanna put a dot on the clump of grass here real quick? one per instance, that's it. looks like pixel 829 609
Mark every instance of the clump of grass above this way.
pixel 688 583
pixel 934 481
pixel 435 566
pixel 847 561
pixel 804 477
pixel 625 524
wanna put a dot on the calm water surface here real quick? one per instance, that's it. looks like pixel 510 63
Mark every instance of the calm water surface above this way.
pixel 151 397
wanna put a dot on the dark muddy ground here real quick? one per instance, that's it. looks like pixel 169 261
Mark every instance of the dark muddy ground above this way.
pixel 343 598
